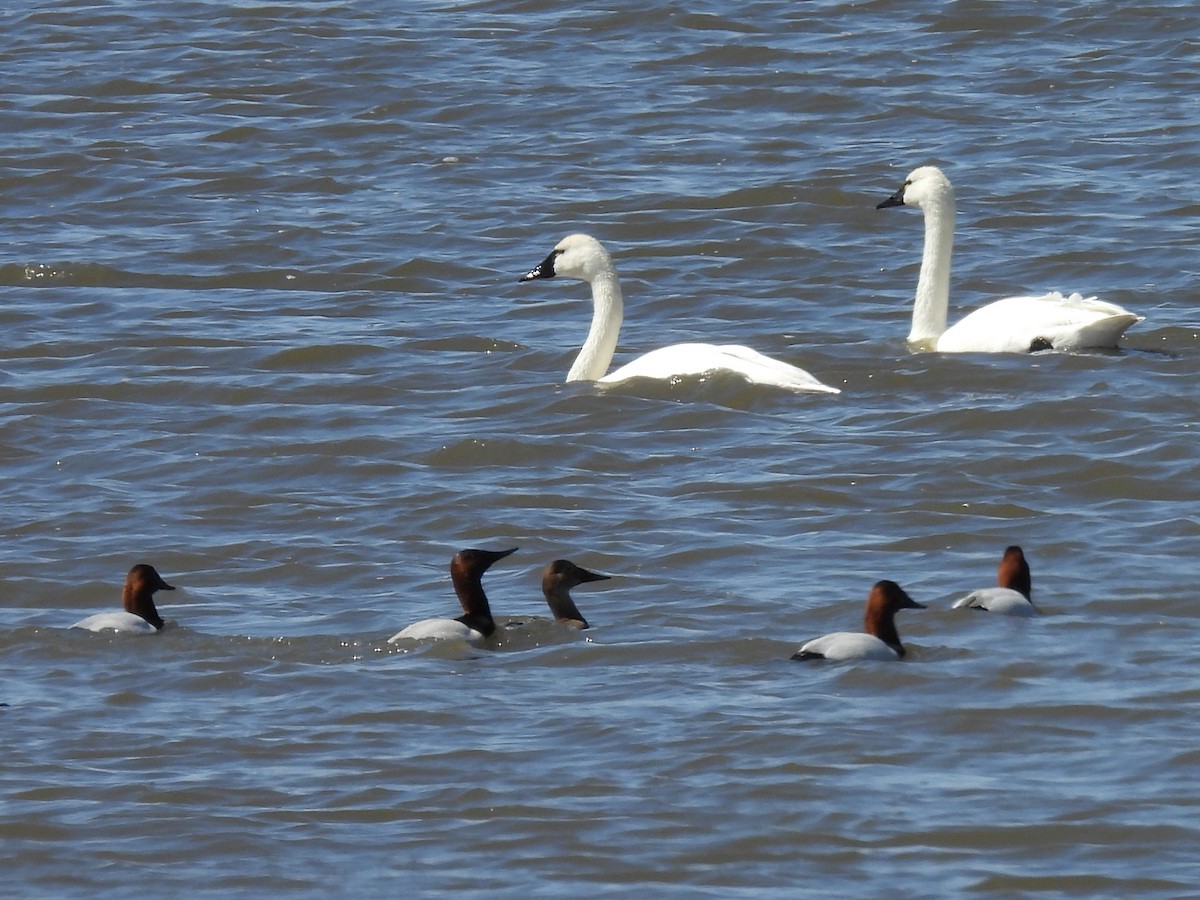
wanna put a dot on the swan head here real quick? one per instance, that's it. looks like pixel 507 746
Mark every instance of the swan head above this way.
pixel 924 185
pixel 575 256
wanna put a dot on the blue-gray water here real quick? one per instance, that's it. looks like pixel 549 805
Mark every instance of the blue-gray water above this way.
pixel 260 326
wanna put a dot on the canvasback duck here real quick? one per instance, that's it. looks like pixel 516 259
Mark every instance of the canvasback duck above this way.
pixel 138 615
pixel 1014 590
pixel 557 580
pixel 475 625
pixel 878 639
pixel 582 256
pixel 1010 325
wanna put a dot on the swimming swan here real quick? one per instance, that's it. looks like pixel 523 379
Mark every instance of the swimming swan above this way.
pixel 1014 590
pixel 557 580
pixel 878 639
pixel 582 256
pixel 1011 325
pixel 138 615
pixel 475 625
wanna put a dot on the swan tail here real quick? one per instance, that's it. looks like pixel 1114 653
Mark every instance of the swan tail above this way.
pixel 1090 322
pixel 1101 333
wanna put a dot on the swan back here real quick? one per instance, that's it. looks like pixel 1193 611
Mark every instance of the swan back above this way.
pixel 694 360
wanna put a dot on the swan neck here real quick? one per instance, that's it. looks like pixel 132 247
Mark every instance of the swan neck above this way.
pixel 607 314
pixel 933 285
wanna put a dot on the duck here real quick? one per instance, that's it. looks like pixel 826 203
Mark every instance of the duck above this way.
pixel 138 614
pixel 1011 325
pixel 1013 594
pixel 475 625
pixel 557 580
pixel 878 640
pixel 583 257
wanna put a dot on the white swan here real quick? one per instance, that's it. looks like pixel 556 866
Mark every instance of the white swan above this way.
pixel 1011 325
pixel 582 256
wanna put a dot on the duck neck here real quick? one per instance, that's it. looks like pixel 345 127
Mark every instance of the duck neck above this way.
pixel 141 604
pixel 477 613
pixel 564 608
pixel 933 284
pixel 1014 574
pixel 607 314
pixel 883 626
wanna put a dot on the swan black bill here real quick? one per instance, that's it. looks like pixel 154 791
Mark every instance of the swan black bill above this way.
pixel 544 269
pixel 897 199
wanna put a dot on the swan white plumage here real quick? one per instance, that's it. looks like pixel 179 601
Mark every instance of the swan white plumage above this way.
pixel 1010 325
pixel 1013 593
pixel 582 256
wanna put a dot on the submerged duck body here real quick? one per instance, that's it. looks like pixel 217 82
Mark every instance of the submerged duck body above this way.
pixel 138 614
pixel 475 625
pixel 879 639
pixel 557 580
pixel 1051 321
pixel 1013 593
pixel 582 256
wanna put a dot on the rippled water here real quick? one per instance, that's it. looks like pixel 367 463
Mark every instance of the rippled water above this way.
pixel 262 328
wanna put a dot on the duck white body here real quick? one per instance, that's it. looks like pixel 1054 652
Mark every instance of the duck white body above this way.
pixel 439 630
pixel 1010 325
pixel 475 625
pixel 122 621
pixel 1003 601
pixel 845 645
pixel 879 638
pixel 139 615
pixel 1013 592
pixel 582 256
